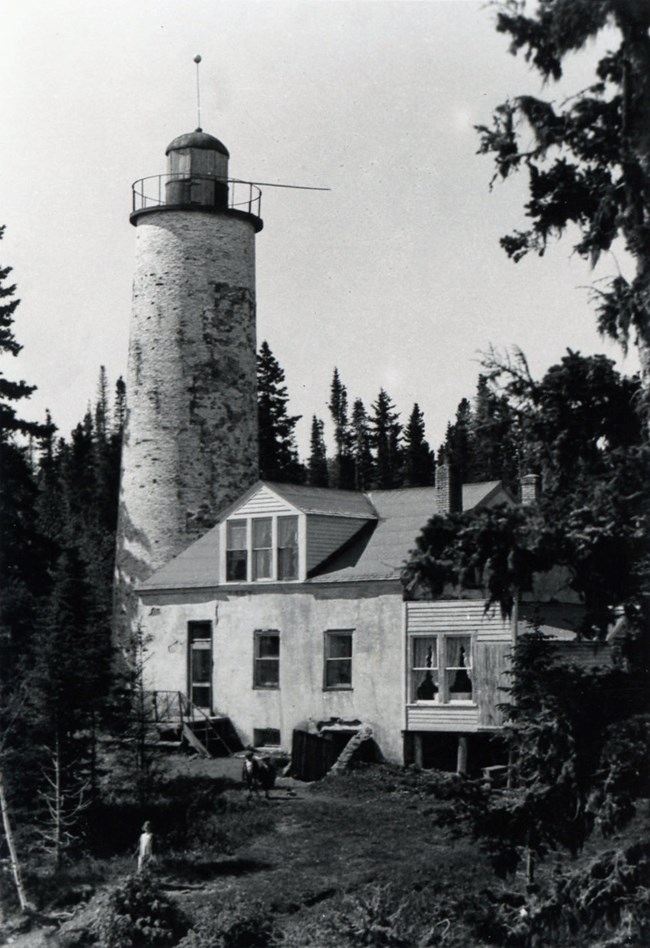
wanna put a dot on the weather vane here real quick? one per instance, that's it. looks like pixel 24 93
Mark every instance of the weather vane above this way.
pixel 197 60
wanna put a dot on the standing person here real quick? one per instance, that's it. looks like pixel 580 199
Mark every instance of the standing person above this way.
pixel 250 773
pixel 145 846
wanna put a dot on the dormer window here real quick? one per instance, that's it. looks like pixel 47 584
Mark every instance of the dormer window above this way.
pixel 287 548
pixel 262 549
pixel 236 551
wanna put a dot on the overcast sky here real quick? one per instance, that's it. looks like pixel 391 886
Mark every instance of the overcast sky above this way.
pixel 395 275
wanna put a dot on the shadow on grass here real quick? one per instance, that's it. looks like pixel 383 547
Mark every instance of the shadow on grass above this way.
pixel 184 870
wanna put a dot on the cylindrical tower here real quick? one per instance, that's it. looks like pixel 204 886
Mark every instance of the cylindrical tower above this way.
pixel 190 443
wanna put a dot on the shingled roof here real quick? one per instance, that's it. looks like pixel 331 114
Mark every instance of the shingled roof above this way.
pixel 390 521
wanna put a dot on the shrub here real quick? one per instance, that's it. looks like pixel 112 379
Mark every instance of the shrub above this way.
pixel 137 914
pixel 240 925
pixel 384 917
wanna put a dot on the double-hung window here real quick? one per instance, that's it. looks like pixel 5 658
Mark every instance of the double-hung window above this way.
pixel 262 548
pixel 266 662
pixel 441 668
pixel 287 530
pixel 236 550
pixel 338 659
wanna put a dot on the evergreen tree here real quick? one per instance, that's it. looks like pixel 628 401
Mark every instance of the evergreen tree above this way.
pixel 278 454
pixel 585 437
pixel 459 442
pixel 418 466
pixel 565 733
pixel 589 159
pixel 10 391
pixel 119 408
pixel 496 447
pixel 68 683
pixel 364 465
pixel 23 550
pixel 385 438
pixel 317 465
pixel 343 474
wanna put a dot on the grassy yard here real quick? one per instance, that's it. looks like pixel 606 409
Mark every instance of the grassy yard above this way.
pixel 356 859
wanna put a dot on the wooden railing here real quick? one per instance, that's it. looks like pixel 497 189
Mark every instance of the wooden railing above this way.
pixel 174 707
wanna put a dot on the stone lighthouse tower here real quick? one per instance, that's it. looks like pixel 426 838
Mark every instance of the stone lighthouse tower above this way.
pixel 190 442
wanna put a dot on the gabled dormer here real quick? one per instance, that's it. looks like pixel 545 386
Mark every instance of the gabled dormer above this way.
pixel 282 532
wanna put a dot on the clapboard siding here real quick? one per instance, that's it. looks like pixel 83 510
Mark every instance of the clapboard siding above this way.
pixel 325 535
pixel 442 718
pixel 491 662
pixel 464 615
pixel 263 501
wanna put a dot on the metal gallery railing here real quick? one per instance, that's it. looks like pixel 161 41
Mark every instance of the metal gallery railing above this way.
pixel 199 189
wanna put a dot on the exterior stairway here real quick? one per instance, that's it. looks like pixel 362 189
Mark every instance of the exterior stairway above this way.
pixel 209 735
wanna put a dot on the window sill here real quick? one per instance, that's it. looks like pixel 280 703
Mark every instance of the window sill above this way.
pixel 266 687
pixel 338 688
pixel 260 582
pixel 442 704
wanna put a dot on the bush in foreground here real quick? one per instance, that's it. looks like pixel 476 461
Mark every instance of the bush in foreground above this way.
pixel 136 914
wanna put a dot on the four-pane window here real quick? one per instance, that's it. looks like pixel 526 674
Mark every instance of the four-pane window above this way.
pixel 338 659
pixel 266 665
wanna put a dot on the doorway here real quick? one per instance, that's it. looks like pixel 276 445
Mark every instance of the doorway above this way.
pixel 199 665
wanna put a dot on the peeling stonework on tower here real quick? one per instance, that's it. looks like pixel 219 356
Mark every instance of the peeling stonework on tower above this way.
pixel 190 441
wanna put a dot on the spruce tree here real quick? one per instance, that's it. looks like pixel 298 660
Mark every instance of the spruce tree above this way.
pixel 338 406
pixel 11 391
pixel 459 442
pixel 385 439
pixel 317 474
pixel 23 550
pixel 495 437
pixel 418 466
pixel 278 454
pixel 364 465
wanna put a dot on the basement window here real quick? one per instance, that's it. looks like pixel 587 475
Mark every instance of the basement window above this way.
pixel 266 737
pixel 441 668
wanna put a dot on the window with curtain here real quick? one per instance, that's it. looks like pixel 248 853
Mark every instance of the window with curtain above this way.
pixel 441 668
pixel 458 664
pixel 424 673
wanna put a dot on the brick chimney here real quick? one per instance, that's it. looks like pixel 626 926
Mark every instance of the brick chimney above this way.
pixel 530 488
pixel 449 489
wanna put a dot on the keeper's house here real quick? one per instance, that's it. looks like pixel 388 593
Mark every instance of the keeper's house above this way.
pixel 290 615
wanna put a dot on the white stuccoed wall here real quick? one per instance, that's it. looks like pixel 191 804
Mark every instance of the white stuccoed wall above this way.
pixel 301 617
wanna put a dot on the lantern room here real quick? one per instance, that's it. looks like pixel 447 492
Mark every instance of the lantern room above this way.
pixel 197 169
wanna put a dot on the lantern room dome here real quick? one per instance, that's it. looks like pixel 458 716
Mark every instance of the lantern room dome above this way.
pixel 198 139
